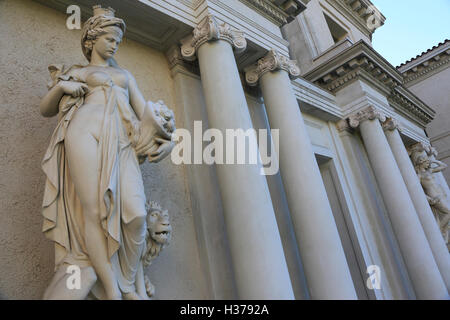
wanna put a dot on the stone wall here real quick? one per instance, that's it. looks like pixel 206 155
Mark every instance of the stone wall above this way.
pixel 33 36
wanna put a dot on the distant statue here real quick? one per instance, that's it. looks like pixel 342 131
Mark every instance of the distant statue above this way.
pixel 94 204
pixel 426 166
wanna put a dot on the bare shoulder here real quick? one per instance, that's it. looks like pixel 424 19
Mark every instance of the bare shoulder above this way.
pixel 76 71
pixel 128 73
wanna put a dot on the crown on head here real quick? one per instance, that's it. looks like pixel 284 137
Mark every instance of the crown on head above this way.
pixel 98 10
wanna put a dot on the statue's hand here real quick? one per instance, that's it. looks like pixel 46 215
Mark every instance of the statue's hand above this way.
pixel 163 150
pixel 73 88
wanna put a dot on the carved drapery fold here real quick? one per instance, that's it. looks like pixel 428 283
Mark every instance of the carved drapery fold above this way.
pixel 273 61
pixel 209 29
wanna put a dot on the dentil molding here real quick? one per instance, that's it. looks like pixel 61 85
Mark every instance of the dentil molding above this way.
pixel 273 61
pixel 209 29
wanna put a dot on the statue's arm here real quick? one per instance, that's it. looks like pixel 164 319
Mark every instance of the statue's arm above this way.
pixel 137 100
pixel 49 105
pixel 440 166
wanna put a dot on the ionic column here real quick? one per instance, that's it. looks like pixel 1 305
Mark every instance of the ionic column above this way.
pixel 325 265
pixel 257 254
pixel 419 260
pixel 423 209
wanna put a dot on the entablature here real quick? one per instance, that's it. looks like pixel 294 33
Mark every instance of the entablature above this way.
pixel 362 62
pixel 160 24
pixel 279 12
pixel 359 60
pixel 316 101
pixel 403 100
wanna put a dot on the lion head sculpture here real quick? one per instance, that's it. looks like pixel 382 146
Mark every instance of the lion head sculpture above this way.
pixel 159 234
pixel 157 123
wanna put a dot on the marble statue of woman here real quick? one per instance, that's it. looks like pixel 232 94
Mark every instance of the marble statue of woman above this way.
pixel 94 204
pixel 426 167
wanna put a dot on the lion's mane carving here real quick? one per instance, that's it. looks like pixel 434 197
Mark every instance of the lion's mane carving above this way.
pixel 159 233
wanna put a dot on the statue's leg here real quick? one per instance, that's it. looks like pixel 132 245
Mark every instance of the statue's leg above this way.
pixel 59 290
pixel 133 223
pixel 81 148
pixel 140 283
pixel 444 213
pixel 57 276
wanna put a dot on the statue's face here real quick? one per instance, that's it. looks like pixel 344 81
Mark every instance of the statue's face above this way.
pixel 107 44
pixel 424 162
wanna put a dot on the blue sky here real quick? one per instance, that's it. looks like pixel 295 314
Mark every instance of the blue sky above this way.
pixel 411 27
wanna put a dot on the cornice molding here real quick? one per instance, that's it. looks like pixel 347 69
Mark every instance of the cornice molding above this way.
pixel 427 67
pixel 280 12
pixel 361 12
pixel 405 100
pixel 424 56
pixel 369 113
pixel 362 62
pixel 273 61
pixel 352 63
pixel 209 29
pixel 426 64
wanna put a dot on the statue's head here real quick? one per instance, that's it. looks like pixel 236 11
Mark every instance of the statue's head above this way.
pixel 102 33
pixel 421 159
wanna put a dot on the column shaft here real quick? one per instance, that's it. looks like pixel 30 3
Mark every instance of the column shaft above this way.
pixel 419 260
pixel 421 204
pixel 325 265
pixel 257 253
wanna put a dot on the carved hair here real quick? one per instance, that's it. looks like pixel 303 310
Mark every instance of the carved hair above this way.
pixel 95 26
pixel 419 157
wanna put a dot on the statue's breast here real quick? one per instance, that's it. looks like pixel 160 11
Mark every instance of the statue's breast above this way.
pixel 110 77
pixel 98 78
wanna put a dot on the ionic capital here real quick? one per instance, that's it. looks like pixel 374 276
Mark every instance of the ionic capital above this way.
pixel 342 126
pixel 369 113
pixel 273 61
pixel 391 124
pixel 209 29
pixel 422 147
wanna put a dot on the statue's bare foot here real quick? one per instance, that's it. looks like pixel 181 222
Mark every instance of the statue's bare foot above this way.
pixel 143 295
pixel 131 296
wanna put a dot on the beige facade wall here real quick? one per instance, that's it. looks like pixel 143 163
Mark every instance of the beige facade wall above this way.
pixel 434 91
pixel 32 37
